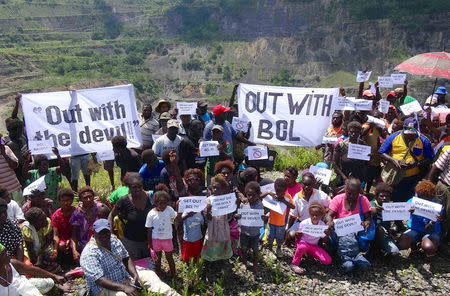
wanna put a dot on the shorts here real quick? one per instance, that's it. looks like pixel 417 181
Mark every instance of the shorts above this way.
pixel 419 236
pixel 248 241
pixel 77 163
pixel 165 245
pixel 191 250
pixel 276 232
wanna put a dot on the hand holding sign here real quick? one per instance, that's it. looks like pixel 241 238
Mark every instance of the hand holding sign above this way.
pixel 426 208
pixel 40 147
pixel 348 225
pixel 363 76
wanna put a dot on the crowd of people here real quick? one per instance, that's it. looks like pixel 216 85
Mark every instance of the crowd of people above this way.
pixel 118 244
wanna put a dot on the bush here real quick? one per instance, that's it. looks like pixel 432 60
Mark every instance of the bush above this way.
pixel 192 65
pixel 300 157
pixel 227 73
pixel 282 78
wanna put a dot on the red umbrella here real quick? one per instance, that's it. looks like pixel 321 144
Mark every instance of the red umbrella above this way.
pixel 434 64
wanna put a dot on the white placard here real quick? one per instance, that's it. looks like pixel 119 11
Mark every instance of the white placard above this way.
pixel 398 78
pixel 372 88
pixel 385 82
pixel 383 106
pixel 286 116
pixel 187 108
pixel 426 208
pixel 257 152
pixel 83 121
pixel 313 230
pixel 192 204
pixel 273 204
pixel 251 217
pixel 223 204
pixel 105 155
pixel 363 76
pixel 396 211
pixel 268 188
pixel 156 137
pixel 352 104
pixel 39 185
pixel 410 108
pixel 377 121
pixel 321 174
pixel 41 147
pixel 363 105
pixel 209 148
pixel 357 151
pixel 329 139
pixel 240 124
pixel 348 225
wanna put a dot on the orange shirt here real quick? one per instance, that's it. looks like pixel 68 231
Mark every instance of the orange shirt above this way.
pixel 278 219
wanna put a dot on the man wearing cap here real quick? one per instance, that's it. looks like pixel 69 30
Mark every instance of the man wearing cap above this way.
pixel 171 140
pixel 163 119
pixel 441 92
pixel 149 127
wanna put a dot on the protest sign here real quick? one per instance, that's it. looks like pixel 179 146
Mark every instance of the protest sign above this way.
pixel 363 76
pixel 372 88
pixel 385 82
pixel 398 78
pixel 357 151
pixel 223 204
pixel 411 108
pixel 321 174
pixel 40 146
pixel 82 121
pixel 348 225
pixel 351 103
pixel 240 124
pixel 313 230
pixel 105 155
pixel 257 152
pixel 268 188
pixel 187 108
pixel 329 140
pixel 426 208
pixel 273 204
pixel 251 217
pixel 39 185
pixel 286 116
pixel 192 204
pixel 209 148
pixel 396 211
pixel 377 121
pixel 383 106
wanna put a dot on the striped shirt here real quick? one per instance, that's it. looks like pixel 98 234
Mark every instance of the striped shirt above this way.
pixel 443 163
pixel 148 128
pixel 8 178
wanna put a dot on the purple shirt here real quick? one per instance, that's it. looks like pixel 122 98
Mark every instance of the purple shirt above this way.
pixel 84 221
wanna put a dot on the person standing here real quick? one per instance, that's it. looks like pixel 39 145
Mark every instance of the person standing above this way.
pixel 149 127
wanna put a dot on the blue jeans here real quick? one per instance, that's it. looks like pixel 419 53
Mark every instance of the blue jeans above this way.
pixel 275 232
pixel 350 264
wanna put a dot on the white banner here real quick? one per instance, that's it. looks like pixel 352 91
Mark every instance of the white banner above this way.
pixel 192 204
pixel 82 121
pixel 286 116
pixel 348 225
pixel 223 204
pixel 313 230
pixel 396 211
pixel 426 208
pixel 251 217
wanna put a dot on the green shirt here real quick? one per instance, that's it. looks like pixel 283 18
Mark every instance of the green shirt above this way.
pixel 118 193
pixel 52 179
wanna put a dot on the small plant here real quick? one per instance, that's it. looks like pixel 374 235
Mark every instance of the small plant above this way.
pixel 218 286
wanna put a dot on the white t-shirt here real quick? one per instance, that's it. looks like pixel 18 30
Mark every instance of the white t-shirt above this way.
pixel 161 222
pixel 20 286
pixel 301 206
pixel 164 143
pixel 14 211
pixel 309 238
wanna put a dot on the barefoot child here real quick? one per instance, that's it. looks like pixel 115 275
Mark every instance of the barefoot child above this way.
pixel 159 229
pixel 309 244
pixel 62 230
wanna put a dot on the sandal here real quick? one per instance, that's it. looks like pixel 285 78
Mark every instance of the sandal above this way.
pixel 297 269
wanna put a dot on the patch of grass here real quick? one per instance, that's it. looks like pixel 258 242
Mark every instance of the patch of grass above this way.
pixel 338 79
pixel 300 157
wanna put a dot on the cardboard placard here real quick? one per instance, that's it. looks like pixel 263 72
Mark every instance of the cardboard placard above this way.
pixel 209 148
pixel 348 225
pixel 251 217
pixel 357 151
pixel 396 211
pixel 187 108
pixel 192 204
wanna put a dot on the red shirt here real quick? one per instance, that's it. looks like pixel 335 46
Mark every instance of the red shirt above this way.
pixel 62 224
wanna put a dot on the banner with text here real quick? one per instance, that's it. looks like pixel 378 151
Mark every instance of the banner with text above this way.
pixel 286 116
pixel 82 121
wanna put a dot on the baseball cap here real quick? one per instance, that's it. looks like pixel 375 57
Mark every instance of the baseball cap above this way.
pixel 202 104
pixel 217 127
pixel 393 94
pixel 410 126
pixel 100 225
pixel 368 93
pixel 165 115
pixel 219 109
pixel 172 123
pixel 441 90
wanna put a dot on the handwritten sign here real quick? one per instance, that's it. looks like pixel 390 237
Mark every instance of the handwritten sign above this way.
pixel 156 137
pixel 357 151
pixel 383 106
pixel 273 204
pixel 187 108
pixel 363 76
pixel 192 204
pixel 329 139
pixel 372 88
pixel 251 217
pixel 426 208
pixel 257 152
pixel 313 230
pixel 396 211
pixel 363 105
pixel 385 82
pixel 38 185
pixel 351 103
pixel 398 78
pixel 268 188
pixel 105 155
pixel 321 174
pixel 223 204
pixel 348 225
pixel 377 121
pixel 209 148
pixel 240 124
pixel 40 147
pixel 410 108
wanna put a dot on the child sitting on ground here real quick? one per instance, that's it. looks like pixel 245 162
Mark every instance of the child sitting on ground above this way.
pixel 62 230
pixel 159 229
pixel 309 244
pixel 277 221
pixel 249 237
pixel 383 240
